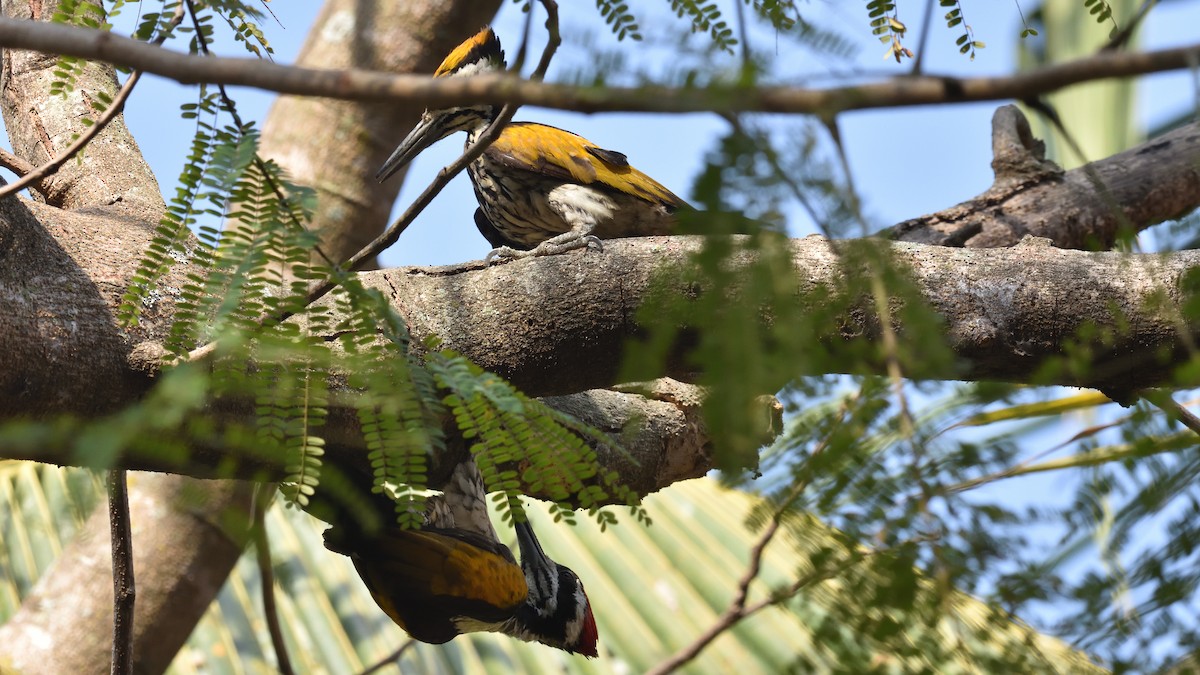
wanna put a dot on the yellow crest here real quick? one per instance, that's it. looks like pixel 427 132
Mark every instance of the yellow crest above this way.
pixel 483 48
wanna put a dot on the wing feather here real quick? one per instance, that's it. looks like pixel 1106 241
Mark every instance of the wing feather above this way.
pixel 423 579
pixel 565 156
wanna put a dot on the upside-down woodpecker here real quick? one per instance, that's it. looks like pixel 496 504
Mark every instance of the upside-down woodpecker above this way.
pixel 453 576
pixel 541 190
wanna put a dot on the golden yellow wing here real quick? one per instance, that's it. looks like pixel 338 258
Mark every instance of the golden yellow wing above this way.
pixel 423 579
pixel 565 156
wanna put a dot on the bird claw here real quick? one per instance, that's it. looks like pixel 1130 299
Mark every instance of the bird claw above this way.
pixel 503 252
pixel 548 247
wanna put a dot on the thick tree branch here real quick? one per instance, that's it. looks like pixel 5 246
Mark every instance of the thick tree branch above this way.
pixel 422 91
pixel 1006 311
pixel 1151 183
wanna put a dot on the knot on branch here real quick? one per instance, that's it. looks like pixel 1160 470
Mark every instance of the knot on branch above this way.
pixel 1017 157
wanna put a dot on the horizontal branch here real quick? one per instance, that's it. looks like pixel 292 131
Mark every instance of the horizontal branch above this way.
pixel 421 91
pixel 1006 312
pixel 662 432
pixel 1086 207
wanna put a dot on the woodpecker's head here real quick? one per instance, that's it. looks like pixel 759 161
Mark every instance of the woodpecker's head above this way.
pixel 556 611
pixel 479 54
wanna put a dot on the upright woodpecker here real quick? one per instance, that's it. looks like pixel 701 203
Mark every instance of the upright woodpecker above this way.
pixel 541 190
pixel 453 575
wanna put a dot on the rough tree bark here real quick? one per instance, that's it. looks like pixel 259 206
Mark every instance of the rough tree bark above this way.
pixel 1006 310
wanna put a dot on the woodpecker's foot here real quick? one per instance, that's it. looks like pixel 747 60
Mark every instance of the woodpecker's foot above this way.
pixel 560 244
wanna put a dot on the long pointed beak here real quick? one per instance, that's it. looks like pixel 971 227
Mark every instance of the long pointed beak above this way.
pixel 428 131
pixel 532 554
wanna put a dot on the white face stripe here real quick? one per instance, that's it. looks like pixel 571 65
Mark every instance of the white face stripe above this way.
pixel 543 585
pixel 574 627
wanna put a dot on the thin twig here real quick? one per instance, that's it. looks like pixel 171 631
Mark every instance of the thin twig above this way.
pixel 743 36
pixel 124 591
pixel 731 618
pixel 14 164
pixel 786 177
pixel 266 572
pixel 1169 406
pixel 443 178
pixel 448 92
pixel 36 175
pixel 388 660
pixel 737 609
pixel 923 43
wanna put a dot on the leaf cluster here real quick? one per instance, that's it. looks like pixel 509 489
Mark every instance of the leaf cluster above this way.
pixel 237 231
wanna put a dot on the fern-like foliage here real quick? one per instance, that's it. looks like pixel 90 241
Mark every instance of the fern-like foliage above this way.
pixel 967 44
pixel 886 25
pixel 398 408
pixel 620 19
pixel 242 20
pixel 515 439
pixel 1101 11
pixel 236 234
pixel 706 17
pixel 83 13
pixel 782 14
pixel 172 235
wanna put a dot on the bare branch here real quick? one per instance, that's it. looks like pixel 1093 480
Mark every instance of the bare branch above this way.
pixel 266 573
pixel 1172 409
pixel 737 610
pixel 390 658
pixel 447 92
pixel 124 592
pixel 49 168
pixel 14 163
pixel 1081 208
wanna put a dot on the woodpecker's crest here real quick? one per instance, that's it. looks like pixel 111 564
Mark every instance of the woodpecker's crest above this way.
pixel 479 54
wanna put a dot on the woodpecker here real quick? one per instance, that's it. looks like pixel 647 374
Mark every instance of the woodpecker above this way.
pixel 541 190
pixel 453 576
